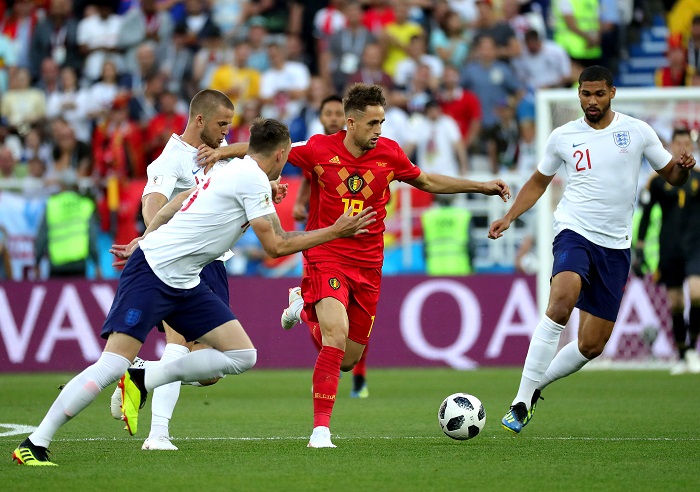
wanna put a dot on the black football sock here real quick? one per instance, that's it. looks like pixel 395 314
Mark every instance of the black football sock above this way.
pixel 679 331
pixel 694 325
pixel 358 381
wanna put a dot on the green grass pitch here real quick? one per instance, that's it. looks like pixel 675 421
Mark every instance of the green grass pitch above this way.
pixel 597 430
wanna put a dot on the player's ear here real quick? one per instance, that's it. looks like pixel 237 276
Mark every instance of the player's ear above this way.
pixel 612 92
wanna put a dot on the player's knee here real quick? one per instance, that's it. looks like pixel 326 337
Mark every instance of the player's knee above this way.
pixel 240 360
pixel 349 362
pixel 591 350
pixel 347 366
pixel 558 312
pixel 208 382
pixel 335 338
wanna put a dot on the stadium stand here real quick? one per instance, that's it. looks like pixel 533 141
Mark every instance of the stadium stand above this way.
pixel 138 63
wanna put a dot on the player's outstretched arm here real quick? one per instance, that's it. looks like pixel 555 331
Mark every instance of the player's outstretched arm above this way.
pixel 439 183
pixel 277 242
pixel 124 251
pixel 207 157
pixel 166 213
pixel 677 171
pixel 527 197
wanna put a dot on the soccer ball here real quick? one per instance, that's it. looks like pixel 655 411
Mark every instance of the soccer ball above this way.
pixel 461 416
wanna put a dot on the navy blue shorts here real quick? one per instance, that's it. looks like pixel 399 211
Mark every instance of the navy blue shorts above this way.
pixel 142 300
pixel 215 277
pixel 603 272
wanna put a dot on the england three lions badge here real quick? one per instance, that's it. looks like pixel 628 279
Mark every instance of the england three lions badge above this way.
pixel 622 139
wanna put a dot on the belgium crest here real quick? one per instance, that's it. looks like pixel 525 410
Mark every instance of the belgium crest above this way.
pixel 355 183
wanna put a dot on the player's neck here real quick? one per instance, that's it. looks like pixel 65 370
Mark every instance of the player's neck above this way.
pixel 604 122
pixel 265 164
pixel 190 137
pixel 352 147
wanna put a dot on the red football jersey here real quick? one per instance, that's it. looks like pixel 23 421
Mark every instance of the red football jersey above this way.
pixel 340 181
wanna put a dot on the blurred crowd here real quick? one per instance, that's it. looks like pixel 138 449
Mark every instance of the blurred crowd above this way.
pixel 91 90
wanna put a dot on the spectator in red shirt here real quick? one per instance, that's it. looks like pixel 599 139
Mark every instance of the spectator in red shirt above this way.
pixel 19 27
pixel 377 16
pixel 461 104
pixel 117 144
pixel 163 125
pixel 678 73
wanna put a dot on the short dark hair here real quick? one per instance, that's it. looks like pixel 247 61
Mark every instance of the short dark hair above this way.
pixel 596 73
pixel 267 135
pixel 359 96
pixel 532 34
pixel 329 99
pixel 678 132
pixel 206 102
pixel 479 38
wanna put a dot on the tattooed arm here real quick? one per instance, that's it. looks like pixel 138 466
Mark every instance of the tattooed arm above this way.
pixel 278 242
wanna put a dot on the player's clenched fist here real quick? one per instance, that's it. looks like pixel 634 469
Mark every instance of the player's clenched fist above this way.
pixel 279 190
pixel 497 187
pixel 498 227
pixel 351 225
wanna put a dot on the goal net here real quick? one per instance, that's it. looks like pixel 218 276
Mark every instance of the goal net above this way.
pixel 642 335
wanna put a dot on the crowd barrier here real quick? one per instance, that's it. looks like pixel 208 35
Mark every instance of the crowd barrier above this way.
pixel 462 323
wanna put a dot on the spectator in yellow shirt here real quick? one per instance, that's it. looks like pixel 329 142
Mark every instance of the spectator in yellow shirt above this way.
pixel 397 35
pixel 240 83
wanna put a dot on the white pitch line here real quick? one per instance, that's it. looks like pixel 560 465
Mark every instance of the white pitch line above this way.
pixel 301 438
pixel 15 429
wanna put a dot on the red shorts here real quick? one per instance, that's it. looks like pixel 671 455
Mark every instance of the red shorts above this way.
pixel 357 288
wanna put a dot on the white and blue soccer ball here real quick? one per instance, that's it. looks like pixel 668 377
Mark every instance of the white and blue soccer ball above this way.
pixel 461 416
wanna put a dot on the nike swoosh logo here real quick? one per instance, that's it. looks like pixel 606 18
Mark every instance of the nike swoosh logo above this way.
pixel 195 171
pixel 576 145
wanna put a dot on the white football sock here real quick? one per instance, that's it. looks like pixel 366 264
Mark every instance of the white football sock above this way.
pixel 165 397
pixel 568 361
pixel 202 364
pixel 78 394
pixel 543 347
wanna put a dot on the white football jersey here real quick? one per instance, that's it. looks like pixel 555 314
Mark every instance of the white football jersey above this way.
pixel 602 168
pixel 176 170
pixel 210 221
